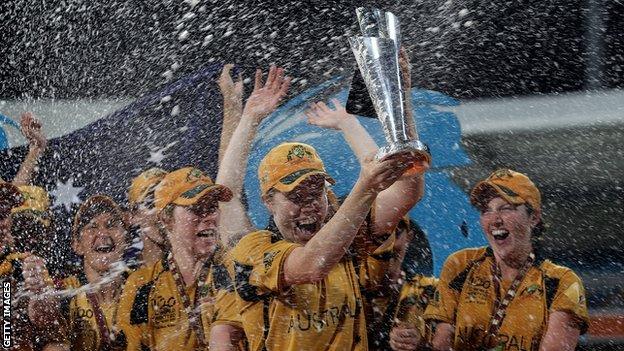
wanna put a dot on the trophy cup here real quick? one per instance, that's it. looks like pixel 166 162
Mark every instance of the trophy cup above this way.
pixel 377 55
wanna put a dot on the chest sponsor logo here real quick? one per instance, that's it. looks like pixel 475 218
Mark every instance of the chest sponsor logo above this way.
pixel 268 259
pixel 475 336
pixel 477 290
pixel 532 290
pixel 318 320
pixel 166 311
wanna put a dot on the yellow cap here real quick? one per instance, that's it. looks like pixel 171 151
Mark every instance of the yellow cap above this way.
pixel 93 206
pixel 10 197
pixel 36 199
pixel 287 165
pixel 144 184
pixel 185 187
pixel 516 188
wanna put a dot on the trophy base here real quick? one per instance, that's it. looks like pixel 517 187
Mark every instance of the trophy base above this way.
pixel 416 146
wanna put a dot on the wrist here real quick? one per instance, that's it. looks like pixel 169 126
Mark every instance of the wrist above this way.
pixel 347 121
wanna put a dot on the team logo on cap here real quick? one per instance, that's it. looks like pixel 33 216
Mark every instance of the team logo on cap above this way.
pixel 299 151
pixel 502 173
pixel 194 175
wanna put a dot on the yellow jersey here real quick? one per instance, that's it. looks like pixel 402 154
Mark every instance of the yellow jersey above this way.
pixel 326 315
pixel 465 297
pixel 83 332
pixel 152 314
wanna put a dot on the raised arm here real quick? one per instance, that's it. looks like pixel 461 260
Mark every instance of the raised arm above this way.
pixel 234 222
pixel 393 203
pixel 37 142
pixel 232 93
pixel 313 261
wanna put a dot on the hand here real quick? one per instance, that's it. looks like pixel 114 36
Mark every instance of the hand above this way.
pixel 379 175
pixel 36 277
pixel 232 92
pixel 404 338
pixel 419 163
pixel 319 114
pixel 31 129
pixel 265 98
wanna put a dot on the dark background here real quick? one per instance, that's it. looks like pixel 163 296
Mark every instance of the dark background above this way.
pixel 75 48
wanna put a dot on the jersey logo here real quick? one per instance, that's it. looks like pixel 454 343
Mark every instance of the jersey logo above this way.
pixel 268 259
pixel 166 313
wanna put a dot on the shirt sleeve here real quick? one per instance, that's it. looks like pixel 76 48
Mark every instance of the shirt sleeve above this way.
pixel 570 298
pixel 227 309
pixel 259 265
pixel 373 268
pixel 443 306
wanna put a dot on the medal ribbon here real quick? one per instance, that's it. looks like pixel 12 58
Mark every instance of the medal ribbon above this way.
pixel 193 313
pixel 105 332
pixel 500 306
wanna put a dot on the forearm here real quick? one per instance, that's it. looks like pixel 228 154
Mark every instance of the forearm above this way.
pixel 395 202
pixel 315 260
pixel 232 112
pixel 225 338
pixel 443 337
pixel 357 137
pixel 27 168
pixel 234 220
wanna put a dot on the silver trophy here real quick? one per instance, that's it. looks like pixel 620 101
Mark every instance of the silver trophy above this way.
pixel 377 55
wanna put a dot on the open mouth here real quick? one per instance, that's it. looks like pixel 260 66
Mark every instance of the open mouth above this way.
pixel 307 225
pixel 500 234
pixel 207 233
pixel 104 246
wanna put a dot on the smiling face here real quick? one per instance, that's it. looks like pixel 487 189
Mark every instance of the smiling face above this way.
pixel 507 228
pixel 195 227
pixel 300 213
pixel 102 241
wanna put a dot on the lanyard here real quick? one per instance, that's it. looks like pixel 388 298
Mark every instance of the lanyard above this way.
pixel 194 315
pixel 500 306
pixel 106 336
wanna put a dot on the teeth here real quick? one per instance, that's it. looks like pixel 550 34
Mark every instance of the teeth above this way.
pixel 307 221
pixel 499 232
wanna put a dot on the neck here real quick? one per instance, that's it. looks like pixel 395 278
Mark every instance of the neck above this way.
pixel 186 262
pixel 512 263
pixel 152 253
pixel 106 291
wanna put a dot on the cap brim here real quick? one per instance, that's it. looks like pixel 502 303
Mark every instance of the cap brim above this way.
pixel 299 177
pixel 216 192
pixel 10 197
pixel 486 190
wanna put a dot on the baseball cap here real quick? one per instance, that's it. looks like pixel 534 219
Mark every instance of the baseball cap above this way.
pixel 10 197
pixel 287 165
pixel 186 186
pixel 36 203
pixel 516 188
pixel 142 186
pixel 91 208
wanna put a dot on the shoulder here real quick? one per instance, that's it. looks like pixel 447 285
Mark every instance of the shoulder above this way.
pixel 253 245
pixel 466 257
pixel 556 271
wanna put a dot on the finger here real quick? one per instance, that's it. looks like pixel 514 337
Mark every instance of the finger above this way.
pixel 271 76
pixel 277 81
pixel 323 107
pixel 258 80
pixel 337 105
pixel 284 88
pixel 225 73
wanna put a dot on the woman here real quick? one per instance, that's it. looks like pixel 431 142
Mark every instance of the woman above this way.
pixel 505 296
pixel 88 306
